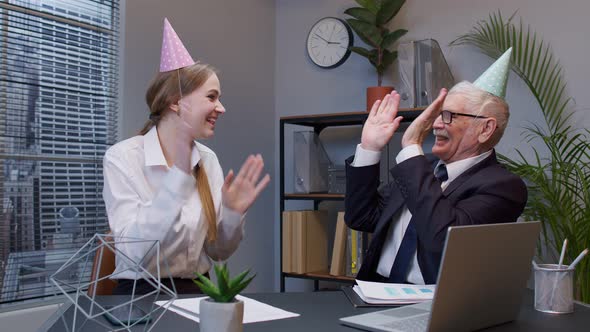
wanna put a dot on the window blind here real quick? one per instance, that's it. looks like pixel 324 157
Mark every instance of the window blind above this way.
pixel 58 116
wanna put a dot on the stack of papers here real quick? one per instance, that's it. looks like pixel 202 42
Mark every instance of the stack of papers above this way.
pixel 254 311
pixel 385 293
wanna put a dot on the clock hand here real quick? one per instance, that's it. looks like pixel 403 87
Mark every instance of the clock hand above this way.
pixel 331 33
pixel 321 38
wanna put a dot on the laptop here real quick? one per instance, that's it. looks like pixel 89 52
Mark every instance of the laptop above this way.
pixel 480 283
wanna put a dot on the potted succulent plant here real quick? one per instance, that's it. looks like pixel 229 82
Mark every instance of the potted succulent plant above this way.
pixel 221 312
pixel 369 21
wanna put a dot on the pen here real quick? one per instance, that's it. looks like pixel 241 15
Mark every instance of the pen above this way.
pixel 563 247
pixel 562 252
pixel 578 259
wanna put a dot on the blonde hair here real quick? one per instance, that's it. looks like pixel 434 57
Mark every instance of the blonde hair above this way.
pixel 166 89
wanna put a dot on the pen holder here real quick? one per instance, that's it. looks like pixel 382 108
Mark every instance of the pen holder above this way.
pixel 554 288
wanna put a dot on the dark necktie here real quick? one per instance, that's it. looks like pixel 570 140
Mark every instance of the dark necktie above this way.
pixel 406 251
pixel 440 172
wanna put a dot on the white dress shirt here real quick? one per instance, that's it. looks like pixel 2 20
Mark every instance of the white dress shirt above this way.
pixel 148 200
pixel 395 234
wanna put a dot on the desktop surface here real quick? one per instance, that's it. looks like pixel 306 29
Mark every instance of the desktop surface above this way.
pixel 320 311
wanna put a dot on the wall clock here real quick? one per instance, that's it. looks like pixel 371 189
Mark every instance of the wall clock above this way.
pixel 328 42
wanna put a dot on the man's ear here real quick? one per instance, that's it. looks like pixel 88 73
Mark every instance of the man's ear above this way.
pixel 487 130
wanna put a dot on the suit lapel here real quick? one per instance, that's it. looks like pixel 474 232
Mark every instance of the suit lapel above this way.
pixel 468 173
pixel 396 201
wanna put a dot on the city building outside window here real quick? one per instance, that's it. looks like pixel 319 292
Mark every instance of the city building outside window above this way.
pixel 58 115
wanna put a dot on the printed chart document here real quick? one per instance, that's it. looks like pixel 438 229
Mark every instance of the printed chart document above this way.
pixel 386 293
pixel 254 311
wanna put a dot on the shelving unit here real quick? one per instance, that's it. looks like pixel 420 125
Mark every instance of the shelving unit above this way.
pixel 319 122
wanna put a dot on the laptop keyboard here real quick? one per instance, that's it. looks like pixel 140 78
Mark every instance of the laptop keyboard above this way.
pixel 417 324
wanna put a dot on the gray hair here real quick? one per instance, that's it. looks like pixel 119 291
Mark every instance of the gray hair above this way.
pixel 481 102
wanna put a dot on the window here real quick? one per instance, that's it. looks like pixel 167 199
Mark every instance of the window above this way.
pixel 58 116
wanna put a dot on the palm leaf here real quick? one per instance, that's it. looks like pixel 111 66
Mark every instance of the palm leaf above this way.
pixel 559 180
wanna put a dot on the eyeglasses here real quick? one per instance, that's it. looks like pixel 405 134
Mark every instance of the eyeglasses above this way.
pixel 447 116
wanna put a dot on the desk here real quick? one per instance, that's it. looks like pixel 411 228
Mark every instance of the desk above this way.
pixel 320 312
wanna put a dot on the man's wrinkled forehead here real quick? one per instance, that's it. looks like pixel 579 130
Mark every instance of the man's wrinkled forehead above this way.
pixel 455 102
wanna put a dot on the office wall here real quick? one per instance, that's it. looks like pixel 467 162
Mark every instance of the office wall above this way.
pixel 237 37
pixel 259 45
pixel 302 88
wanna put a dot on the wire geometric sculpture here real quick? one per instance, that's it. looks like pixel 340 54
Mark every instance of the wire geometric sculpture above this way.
pixel 72 280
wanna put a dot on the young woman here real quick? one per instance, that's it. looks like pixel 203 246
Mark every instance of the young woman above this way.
pixel 164 185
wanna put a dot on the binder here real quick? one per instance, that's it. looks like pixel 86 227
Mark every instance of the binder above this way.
pixel 287 242
pixel 311 163
pixel 299 247
pixel 316 241
pixel 354 252
pixel 308 241
pixel 338 266
pixel 357 302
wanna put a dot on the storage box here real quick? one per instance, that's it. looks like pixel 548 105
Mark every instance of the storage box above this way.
pixel 336 179
pixel 422 72
pixel 311 163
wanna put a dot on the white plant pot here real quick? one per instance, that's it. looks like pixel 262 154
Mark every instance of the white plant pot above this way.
pixel 221 317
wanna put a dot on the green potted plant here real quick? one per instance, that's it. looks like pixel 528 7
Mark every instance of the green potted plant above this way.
pixel 558 181
pixel 369 21
pixel 221 312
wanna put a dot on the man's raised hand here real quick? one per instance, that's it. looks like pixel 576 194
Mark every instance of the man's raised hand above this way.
pixel 381 123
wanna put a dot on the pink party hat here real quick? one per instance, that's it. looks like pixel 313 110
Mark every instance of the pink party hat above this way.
pixel 174 54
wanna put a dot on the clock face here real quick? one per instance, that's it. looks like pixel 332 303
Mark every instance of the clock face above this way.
pixel 328 42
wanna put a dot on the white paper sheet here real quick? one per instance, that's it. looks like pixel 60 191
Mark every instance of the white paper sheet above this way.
pixel 386 293
pixel 370 300
pixel 254 311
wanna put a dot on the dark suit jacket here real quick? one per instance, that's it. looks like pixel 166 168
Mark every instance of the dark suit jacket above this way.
pixel 486 193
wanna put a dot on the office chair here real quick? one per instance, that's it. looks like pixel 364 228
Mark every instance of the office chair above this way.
pixel 107 266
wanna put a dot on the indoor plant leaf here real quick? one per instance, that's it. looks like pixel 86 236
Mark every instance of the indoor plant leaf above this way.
pixel 221 273
pixel 361 14
pixel 388 58
pixel 207 287
pixel 389 8
pixel 369 23
pixel 392 37
pixel 371 5
pixel 361 51
pixel 226 288
pixel 238 279
pixel 237 288
pixel 366 32
pixel 559 194
pixel 374 58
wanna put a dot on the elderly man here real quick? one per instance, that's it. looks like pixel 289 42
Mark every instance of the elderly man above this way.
pixel 409 217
